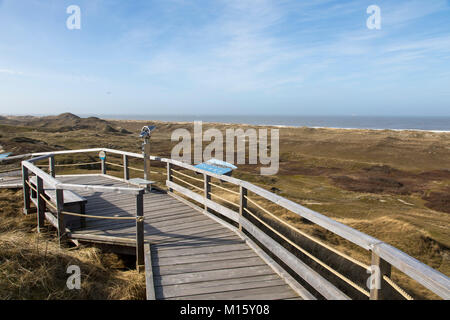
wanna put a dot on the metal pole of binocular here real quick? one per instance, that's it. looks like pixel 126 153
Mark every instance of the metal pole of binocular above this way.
pixel 146 153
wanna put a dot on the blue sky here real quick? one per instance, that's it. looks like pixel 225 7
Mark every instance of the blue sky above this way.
pixel 225 57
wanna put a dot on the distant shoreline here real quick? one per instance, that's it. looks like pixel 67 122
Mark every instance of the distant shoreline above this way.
pixel 278 125
pixel 430 124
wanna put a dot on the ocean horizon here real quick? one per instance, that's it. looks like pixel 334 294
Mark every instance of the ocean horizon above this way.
pixel 340 122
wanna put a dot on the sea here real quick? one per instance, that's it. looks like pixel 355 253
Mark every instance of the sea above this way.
pixel 344 122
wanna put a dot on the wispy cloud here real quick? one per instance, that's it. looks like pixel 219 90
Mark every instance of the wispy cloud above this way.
pixel 176 51
pixel 11 72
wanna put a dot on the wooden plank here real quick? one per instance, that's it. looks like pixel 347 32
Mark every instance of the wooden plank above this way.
pixel 212 275
pixel 207 188
pixel 51 218
pixel 180 229
pixel 283 274
pixel 26 190
pixel 425 275
pixel 212 235
pixel 205 257
pixel 11 174
pixel 41 204
pixel 82 187
pixel 265 293
pixel 160 201
pixel 70 197
pixel 103 239
pixel 10 185
pixel 211 216
pixel 379 288
pixel 176 231
pixel 173 290
pixel 101 223
pixel 155 222
pixel 167 292
pixel 211 265
pixel 319 283
pixel 39 158
pixel 68 151
pixel 140 259
pixel 149 285
pixel 230 214
pixel 242 202
pixel 46 177
pixel 178 252
pixel 51 165
pixel 182 233
pixel 216 235
pixel 126 170
pixel 59 216
pixel 130 206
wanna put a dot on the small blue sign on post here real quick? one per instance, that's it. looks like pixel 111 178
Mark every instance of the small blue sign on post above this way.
pixel 102 155
pixel 217 167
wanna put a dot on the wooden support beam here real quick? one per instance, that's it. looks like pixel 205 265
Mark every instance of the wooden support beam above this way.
pixel 140 260
pixel 378 287
pixel 41 204
pixel 169 174
pixel 59 216
pixel 207 188
pixel 51 166
pixel 149 283
pixel 126 170
pixel 242 202
pixel 26 190
pixel 82 211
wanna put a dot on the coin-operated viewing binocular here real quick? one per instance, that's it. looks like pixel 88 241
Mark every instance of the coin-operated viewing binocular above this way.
pixel 146 131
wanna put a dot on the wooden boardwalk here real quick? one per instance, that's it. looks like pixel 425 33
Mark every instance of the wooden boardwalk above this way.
pixel 189 253
pixel 193 256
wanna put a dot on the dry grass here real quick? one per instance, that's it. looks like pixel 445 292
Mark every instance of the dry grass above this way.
pixel 33 266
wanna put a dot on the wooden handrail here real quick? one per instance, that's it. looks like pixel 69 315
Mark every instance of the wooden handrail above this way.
pixel 41 177
pixel 425 275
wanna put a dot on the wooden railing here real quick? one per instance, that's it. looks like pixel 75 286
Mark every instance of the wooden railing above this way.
pixel 43 204
pixel 383 255
pixel 241 218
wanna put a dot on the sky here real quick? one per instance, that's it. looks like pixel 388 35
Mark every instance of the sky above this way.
pixel 253 57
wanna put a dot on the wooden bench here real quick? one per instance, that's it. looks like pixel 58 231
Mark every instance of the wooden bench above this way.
pixel 72 202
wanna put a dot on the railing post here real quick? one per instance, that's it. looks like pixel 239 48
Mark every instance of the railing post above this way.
pixel 51 165
pixel 169 174
pixel 242 202
pixel 59 215
pixel 126 170
pixel 26 190
pixel 207 188
pixel 140 259
pixel 41 205
pixel 378 286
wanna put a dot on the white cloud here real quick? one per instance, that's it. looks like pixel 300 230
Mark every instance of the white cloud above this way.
pixel 11 72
